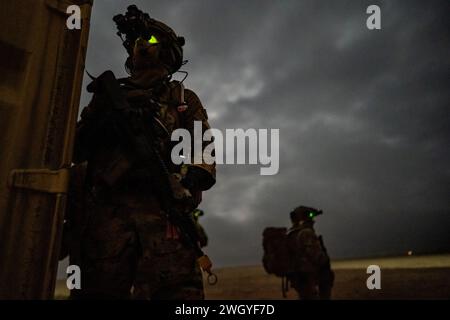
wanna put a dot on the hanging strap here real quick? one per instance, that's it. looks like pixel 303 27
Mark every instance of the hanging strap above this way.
pixel 284 286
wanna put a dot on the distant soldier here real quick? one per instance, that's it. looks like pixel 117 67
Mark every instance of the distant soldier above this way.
pixel 311 273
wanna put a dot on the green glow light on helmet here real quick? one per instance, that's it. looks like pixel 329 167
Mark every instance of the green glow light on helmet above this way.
pixel 311 214
pixel 153 40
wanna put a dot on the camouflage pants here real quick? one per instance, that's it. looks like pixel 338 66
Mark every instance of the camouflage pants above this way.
pixel 126 252
pixel 313 286
pixel 306 285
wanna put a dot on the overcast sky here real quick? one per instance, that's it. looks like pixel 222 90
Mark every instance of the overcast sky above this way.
pixel 364 116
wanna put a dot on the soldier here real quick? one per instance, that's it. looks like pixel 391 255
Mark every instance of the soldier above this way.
pixel 120 233
pixel 312 276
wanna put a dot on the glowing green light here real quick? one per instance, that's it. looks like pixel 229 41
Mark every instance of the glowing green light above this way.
pixel 153 40
pixel 311 215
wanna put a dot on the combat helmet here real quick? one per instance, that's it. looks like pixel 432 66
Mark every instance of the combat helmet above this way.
pixel 135 24
pixel 304 213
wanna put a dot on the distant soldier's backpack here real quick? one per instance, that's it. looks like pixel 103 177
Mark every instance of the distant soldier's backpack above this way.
pixel 276 253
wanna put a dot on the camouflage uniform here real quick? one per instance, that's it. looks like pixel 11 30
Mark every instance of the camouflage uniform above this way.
pixel 117 232
pixel 119 235
pixel 312 277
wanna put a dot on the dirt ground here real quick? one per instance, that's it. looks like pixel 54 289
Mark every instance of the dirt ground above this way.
pixel 426 277
pixel 410 283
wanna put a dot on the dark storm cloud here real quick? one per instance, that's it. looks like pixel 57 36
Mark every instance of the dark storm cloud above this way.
pixel 363 116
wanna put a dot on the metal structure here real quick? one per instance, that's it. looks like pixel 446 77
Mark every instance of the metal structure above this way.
pixel 41 67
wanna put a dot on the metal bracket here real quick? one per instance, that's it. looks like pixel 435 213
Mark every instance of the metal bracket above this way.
pixel 44 180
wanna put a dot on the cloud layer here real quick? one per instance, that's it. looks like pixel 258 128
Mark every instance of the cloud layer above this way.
pixel 364 116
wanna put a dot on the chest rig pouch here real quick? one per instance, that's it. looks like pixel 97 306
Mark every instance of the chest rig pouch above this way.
pixel 163 108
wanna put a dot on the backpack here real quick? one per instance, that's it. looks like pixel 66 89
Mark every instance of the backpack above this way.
pixel 276 258
pixel 279 260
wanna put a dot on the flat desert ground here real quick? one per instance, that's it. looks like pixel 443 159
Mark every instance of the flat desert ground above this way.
pixel 408 277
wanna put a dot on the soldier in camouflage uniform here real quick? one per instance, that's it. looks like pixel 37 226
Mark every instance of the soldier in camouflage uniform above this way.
pixel 118 234
pixel 312 276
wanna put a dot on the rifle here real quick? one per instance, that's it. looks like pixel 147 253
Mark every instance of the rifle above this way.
pixel 138 132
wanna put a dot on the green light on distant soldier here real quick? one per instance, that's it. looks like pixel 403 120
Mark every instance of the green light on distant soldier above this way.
pixel 311 215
